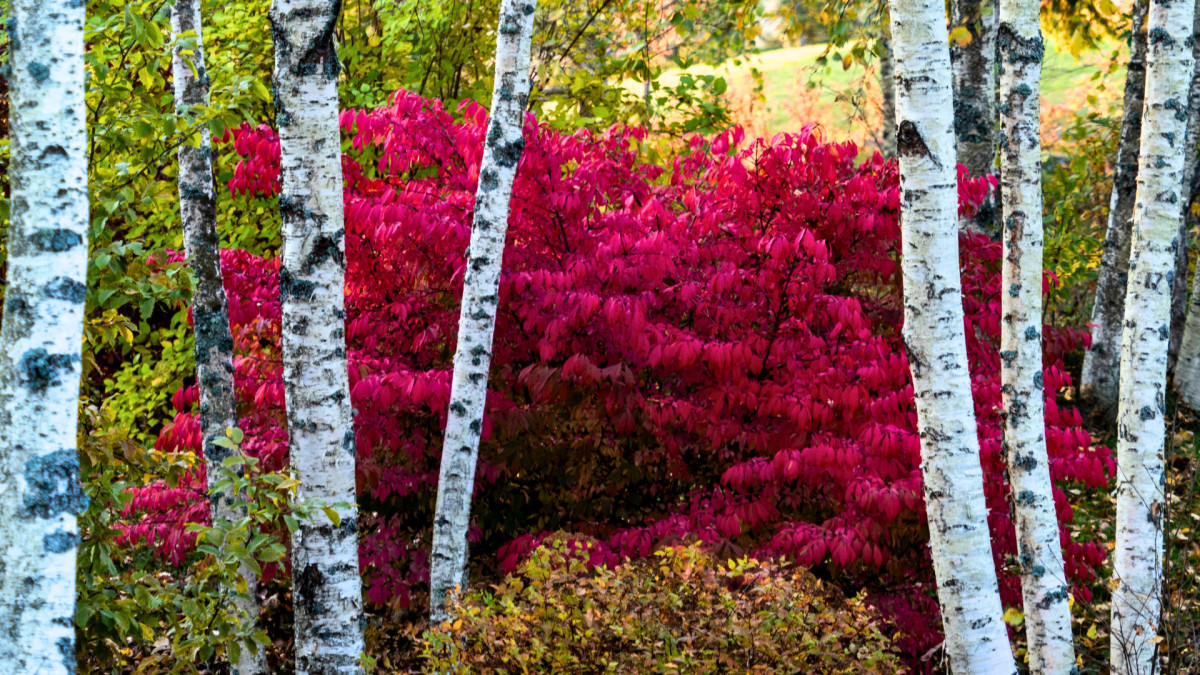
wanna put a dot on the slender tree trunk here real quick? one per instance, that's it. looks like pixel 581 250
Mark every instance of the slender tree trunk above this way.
pixel 1044 582
pixel 974 66
pixel 41 339
pixel 327 588
pixel 1098 383
pixel 477 318
pixel 1184 360
pixel 1137 560
pixel 976 638
pixel 887 87
pixel 214 341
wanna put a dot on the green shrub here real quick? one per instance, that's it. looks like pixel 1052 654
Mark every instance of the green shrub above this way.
pixel 681 611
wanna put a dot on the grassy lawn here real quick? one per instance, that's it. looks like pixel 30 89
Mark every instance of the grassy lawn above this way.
pixel 786 69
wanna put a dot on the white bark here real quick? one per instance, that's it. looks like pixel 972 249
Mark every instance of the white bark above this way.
pixel 1187 366
pixel 327 588
pixel 1137 559
pixel 214 341
pixel 41 339
pixel 477 319
pixel 976 638
pixel 1044 582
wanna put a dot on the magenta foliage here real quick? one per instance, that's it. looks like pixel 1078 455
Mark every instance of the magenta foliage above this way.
pixel 706 351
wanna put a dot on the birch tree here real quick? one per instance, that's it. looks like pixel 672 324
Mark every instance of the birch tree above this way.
pixel 327 588
pixel 214 341
pixel 1141 429
pixel 1098 383
pixel 887 88
pixel 1186 367
pixel 976 638
pixel 1044 582
pixel 974 64
pixel 1179 287
pixel 477 319
pixel 1137 563
pixel 42 338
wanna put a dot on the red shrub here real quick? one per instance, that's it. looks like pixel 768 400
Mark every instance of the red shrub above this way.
pixel 710 351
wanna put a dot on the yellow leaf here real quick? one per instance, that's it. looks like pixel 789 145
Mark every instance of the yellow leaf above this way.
pixel 1092 632
pixel 961 35
pixel 1078 44
pixel 1013 616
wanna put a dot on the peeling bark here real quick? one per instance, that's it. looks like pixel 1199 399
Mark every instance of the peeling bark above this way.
pixel 1141 429
pixel 42 338
pixel 210 314
pixel 1098 384
pixel 976 638
pixel 1044 583
pixel 477 318
pixel 327 588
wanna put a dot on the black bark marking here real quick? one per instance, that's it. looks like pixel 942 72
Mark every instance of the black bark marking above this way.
pixel 55 241
pixel 1016 48
pixel 63 288
pixel 488 180
pixel 325 248
pixel 39 71
pixel 39 369
pixel 60 542
pixel 212 332
pixel 910 143
pixel 53 482
pixel 308 583
pixel 16 306
pixel 66 647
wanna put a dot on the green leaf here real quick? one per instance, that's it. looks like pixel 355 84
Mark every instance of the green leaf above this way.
pixel 333 516
pixel 261 90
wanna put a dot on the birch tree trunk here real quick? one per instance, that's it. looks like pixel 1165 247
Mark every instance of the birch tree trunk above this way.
pixel 1044 584
pixel 327 588
pixel 1186 364
pixel 887 87
pixel 1137 559
pixel 974 66
pixel 477 319
pixel 41 339
pixel 1098 382
pixel 214 341
pixel 976 638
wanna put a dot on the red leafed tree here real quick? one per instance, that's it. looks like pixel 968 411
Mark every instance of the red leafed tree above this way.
pixel 710 350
